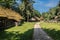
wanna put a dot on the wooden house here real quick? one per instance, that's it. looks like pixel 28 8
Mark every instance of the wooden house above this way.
pixel 8 17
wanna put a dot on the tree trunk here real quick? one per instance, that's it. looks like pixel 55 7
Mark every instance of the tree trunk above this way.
pixel 27 17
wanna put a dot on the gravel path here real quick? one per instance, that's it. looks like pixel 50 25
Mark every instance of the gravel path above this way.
pixel 39 34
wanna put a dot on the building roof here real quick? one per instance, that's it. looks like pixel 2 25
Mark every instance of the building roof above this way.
pixel 10 14
pixel 35 18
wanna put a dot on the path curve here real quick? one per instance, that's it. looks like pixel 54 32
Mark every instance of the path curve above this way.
pixel 39 34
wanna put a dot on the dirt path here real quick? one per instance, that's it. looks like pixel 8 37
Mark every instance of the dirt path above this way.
pixel 39 34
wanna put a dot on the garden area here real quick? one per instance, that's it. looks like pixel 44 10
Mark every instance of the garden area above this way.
pixel 23 32
pixel 52 29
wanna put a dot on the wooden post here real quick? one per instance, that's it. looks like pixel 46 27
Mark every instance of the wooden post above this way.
pixel 16 23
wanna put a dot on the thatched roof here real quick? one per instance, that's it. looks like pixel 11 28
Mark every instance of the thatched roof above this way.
pixel 35 18
pixel 10 14
pixel 41 18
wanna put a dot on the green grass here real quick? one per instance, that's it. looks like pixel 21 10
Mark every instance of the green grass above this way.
pixel 52 29
pixel 23 32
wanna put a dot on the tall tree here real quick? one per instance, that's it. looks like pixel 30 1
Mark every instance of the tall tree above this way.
pixel 58 12
pixel 27 8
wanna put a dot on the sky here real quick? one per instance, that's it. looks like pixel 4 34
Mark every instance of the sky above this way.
pixel 44 5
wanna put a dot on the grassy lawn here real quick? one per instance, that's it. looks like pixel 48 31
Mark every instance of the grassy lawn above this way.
pixel 52 29
pixel 23 32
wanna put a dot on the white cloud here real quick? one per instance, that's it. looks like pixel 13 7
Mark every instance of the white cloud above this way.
pixel 38 2
pixel 51 4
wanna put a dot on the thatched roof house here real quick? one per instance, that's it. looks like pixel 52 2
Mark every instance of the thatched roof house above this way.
pixel 10 14
pixel 9 17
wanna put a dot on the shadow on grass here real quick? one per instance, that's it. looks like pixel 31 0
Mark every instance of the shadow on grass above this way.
pixel 2 28
pixel 4 35
pixel 53 33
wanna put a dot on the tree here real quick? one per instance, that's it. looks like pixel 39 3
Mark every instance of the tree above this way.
pixel 36 13
pixel 27 8
pixel 58 12
pixel 7 3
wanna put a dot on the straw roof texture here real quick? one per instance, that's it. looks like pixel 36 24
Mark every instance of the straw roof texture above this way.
pixel 10 14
